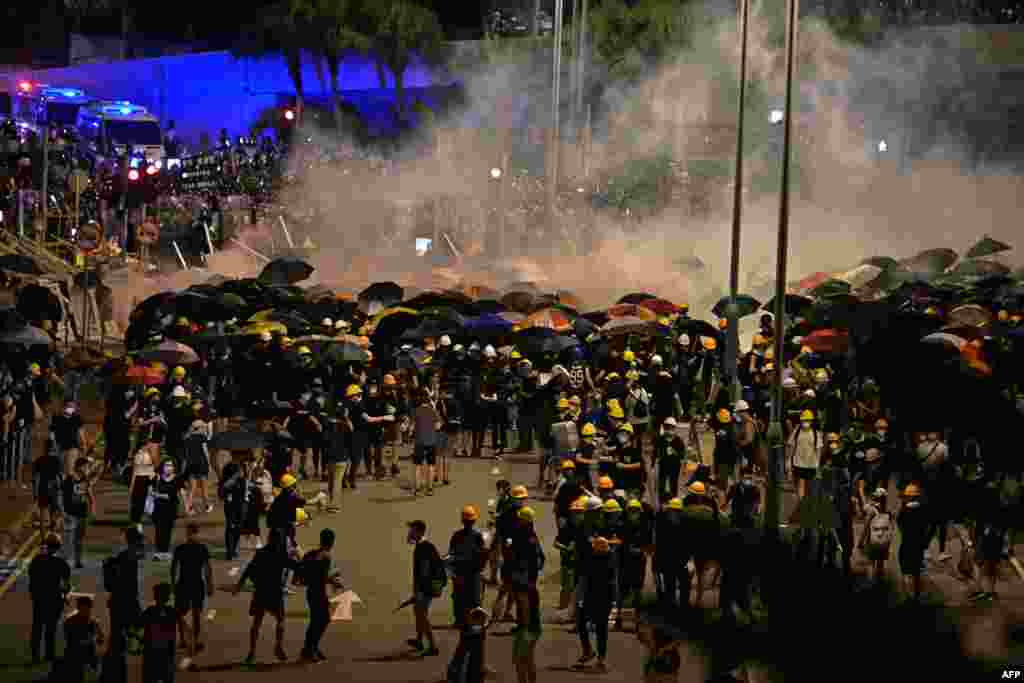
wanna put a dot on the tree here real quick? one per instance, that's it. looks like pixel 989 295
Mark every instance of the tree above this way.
pixel 402 30
pixel 627 39
pixel 282 29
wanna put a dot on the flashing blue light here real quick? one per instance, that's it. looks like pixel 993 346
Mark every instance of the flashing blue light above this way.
pixel 126 110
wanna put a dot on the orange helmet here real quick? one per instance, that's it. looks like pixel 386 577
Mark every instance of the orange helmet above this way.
pixel 605 484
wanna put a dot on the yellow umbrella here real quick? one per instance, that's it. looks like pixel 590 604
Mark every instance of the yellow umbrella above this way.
pixel 262 316
pixel 261 327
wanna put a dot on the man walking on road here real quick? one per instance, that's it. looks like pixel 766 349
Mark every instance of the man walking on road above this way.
pixel 267 572
pixel 48 576
pixel 318 572
pixel 192 578
pixel 121 581
pixel 425 559
pixel 468 556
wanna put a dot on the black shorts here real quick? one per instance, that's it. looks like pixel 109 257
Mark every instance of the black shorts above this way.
pixel 424 455
pixel 271 605
pixel 805 473
pixel 186 598
pixel 198 470
pixel 911 558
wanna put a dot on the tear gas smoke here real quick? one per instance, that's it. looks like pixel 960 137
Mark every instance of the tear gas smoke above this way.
pixel 851 202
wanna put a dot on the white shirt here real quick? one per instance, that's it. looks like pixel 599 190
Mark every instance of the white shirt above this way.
pixel 143 465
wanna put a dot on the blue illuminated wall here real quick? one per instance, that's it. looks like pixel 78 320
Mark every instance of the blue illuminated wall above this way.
pixel 209 91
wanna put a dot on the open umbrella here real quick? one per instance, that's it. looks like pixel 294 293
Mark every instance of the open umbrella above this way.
pixel 979 268
pixel 831 287
pixel 521 302
pixel 387 293
pixel 286 270
pixel 512 317
pixel 170 353
pixel 28 336
pixel 432 328
pixel 795 305
pixel 583 328
pixel 636 298
pixel 598 318
pixel 345 353
pixel 412 359
pixel 631 311
pixel 697 328
pixel 196 306
pixel 811 281
pixel 746 304
pixel 931 261
pixel 11 320
pixel 661 307
pixel 426 300
pixel 256 329
pixel 17 263
pixel 620 326
pixel 142 375
pixel 883 262
pixel 986 247
pixel 860 276
pixel 945 338
pixel 484 307
pixel 389 329
pixel 541 340
pixel 388 312
pixel 567 298
pixel 487 326
pixel 827 341
pixel 36 302
pixel 971 315
pixel 549 318
pixel 154 307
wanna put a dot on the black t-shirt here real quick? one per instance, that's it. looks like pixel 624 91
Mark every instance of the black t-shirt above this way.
pixel 629 480
pixel 423 559
pixel 192 559
pixel 317 572
pixel 65 430
pixel 48 576
pixel 47 470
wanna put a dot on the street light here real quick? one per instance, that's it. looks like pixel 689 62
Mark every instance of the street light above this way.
pixel 777 116
pixel 882 146
pixel 496 173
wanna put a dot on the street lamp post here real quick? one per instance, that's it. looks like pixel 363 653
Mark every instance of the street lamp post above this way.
pixel 732 312
pixel 555 113
pixel 775 433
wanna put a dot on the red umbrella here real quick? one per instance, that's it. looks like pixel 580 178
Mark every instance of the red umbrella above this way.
pixel 631 311
pixel 811 281
pixel 662 307
pixel 827 341
pixel 141 374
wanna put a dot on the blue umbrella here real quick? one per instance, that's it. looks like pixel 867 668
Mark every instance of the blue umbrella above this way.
pixel 487 326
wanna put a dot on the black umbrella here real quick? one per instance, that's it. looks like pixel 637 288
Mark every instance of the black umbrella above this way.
pixel 541 340
pixel 697 328
pixel 431 328
pixel 387 293
pixel 28 335
pixel 390 328
pixel 986 247
pixel 598 318
pixel 245 440
pixel 484 307
pixel 154 307
pixel 794 305
pixel 931 261
pixel 36 302
pixel 487 326
pixel 285 295
pixel 636 298
pixel 286 270
pixel 583 328
pixel 746 304
pixel 17 263
pixel 11 320
pixel 196 306
pixel 830 288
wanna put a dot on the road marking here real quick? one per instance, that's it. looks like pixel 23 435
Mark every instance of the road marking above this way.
pixel 24 555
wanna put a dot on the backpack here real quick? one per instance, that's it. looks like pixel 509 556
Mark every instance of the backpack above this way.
pixel 111 573
pixel 75 503
pixel 438 575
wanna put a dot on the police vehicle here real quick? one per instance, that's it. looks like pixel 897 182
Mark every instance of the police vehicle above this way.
pixel 60 106
pixel 112 130
pixel 19 102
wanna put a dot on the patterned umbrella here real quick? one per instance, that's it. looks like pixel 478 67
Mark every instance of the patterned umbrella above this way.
pixel 660 306
pixel 636 298
pixel 170 353
pixel 549 318
pixel 971 315
pixel 627 325
pixel 632 311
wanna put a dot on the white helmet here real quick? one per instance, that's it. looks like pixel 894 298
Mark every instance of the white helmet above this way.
pixel 489 351
pixel 741 405
pixel 445 340
pixel 670 422
pixel 327 322
pixel 656 360
pixel 179 392
pixel 406 347
pixel 458 347
pixel 474 346
pixel 789 383
pixel 810 393
pixel 559 370
pixel 265 336
pixel 684 340
pixel 342 325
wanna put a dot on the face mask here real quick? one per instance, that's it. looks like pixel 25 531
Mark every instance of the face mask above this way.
pixel 168 475
pixel 411 539
pixel 69 411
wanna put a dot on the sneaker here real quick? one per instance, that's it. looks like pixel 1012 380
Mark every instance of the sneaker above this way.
pixel 601 667
pixel 209 508
pixel 249 660
pixel 280 654
pixel 320 656
pixel 582 662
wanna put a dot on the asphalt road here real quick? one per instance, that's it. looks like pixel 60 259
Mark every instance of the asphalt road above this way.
pixel 375 562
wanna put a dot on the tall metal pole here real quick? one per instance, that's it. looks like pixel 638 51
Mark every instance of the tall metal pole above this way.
pixel 555 112
pixel 732 348
pixel 574 56
pixel 773 502
pixel 46 184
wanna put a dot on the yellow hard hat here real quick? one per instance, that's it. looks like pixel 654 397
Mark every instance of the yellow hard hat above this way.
pixel 470 513
pixel 912 491
pixel 769 354
pixel 519 492
pixel 768 367
pixel 574 400
pixel 178 372
pixel 611 506
pixel 931 310
pixel 626 428
pixel 1003 316
pixel 634 504
pixel 353 390
pixel 600 545
pixel 696 488
pixel 605 484
pixel 288 481
pixel 515 355
pixel 563 404
pixel 35 369
pixel 158 366
pixel 615 410
pixel 684 307
pixel 675 504
pixel 568 465
pixel 579 505
pixel 182 321
pixel 628 356
pixel 664 322
pixel 821 375
pixel 300 516
pixel 709 343
pixel 527 514
pixel 807 416
pixel 632 375
pixel 724 415
pixel 152 391
pixel 304 351
pixel 390 381
pixel 588 430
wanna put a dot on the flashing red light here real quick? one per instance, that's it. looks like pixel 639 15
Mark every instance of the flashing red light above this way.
pixel 25 86
pixel 289 115
pixel 133 175
pixel 151 170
